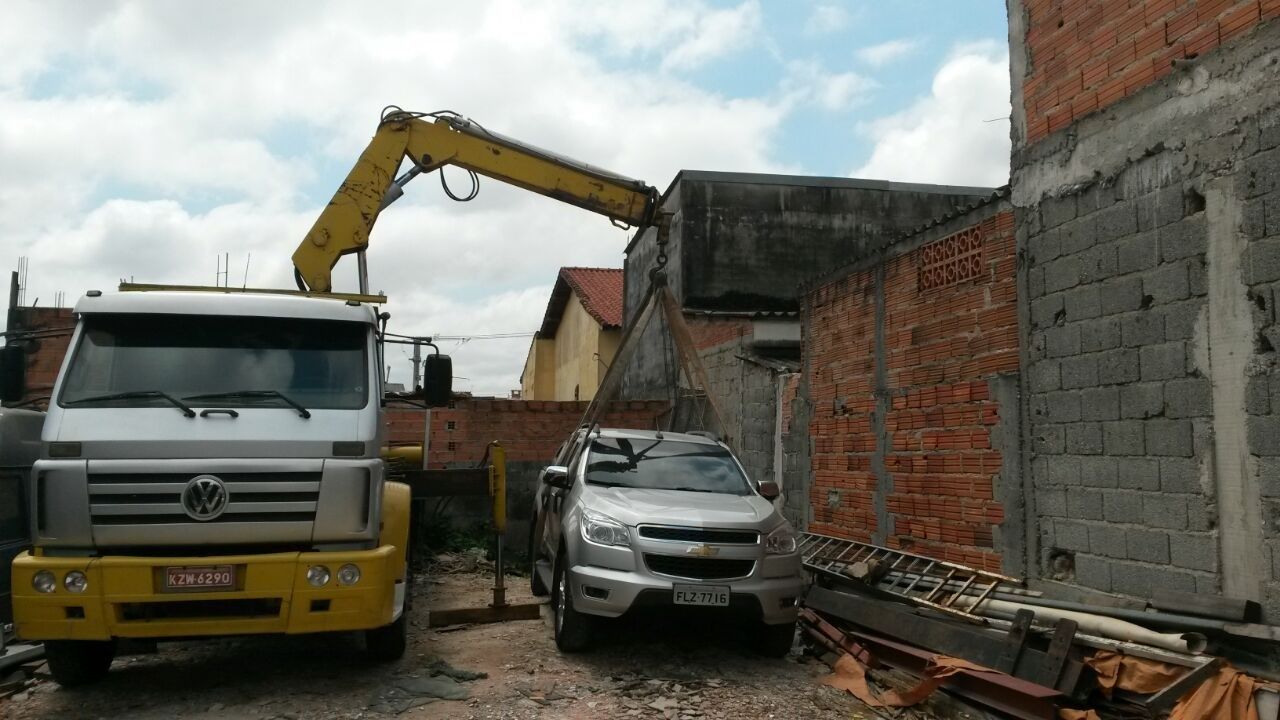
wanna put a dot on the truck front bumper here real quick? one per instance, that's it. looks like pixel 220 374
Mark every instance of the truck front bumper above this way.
pixel 125 596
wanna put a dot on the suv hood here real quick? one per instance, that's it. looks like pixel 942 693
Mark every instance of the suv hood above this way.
pixel 637 506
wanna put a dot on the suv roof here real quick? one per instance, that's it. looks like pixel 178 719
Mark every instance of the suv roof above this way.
pixel 633 434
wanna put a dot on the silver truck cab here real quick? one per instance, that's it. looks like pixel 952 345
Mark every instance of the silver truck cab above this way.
pixel 638 518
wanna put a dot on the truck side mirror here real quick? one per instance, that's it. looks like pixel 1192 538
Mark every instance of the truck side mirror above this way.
pixel 769 491
pixel 13 373
pixel 437 380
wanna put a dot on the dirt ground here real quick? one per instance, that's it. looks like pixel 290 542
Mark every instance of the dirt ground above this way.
pixel 659 667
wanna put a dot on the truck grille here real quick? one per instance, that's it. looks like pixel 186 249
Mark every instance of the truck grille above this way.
pixel 156 498
pixel 698 568
pixel 700 535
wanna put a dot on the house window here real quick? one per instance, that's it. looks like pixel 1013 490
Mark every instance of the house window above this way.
pixel 450 425
pixel 453 446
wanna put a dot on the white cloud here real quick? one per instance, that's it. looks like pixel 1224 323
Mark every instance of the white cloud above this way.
pixel 826 19
pixel 886 52
pixel 957 134
pixel 808 81
pixel 176 132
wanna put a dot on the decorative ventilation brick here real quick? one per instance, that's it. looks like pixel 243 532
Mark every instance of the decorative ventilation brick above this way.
pixel 951 260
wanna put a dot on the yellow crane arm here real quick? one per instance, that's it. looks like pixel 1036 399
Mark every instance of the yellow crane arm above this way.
pixel 344 225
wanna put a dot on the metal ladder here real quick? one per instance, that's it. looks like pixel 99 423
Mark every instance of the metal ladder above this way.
pixel 918 579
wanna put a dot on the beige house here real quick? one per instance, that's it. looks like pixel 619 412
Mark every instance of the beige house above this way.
pixel 578 338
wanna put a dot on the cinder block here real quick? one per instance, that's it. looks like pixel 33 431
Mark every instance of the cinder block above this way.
pixel 1044 376
pixel 1167 283
pixel 1168 437
pixel 1062 274
pixel 1197 277
pixel 1137 252
pixel 1084 505
pixel 1261 261
pixel 1100 334
pixel 1064 470
pixel 1180 319
pixel 1264 435
pixel 1048 311
pixel 1063 406
pixel 1098 471
pixel 1194 552
pixel 1123 507
pixel 1253 219
pixel 1184 239
pixel 1165 511
pixel 1094 572
pixel 1269 476
pixel 1147 545
pixel 1098 263
pixel 1188 397
pixel 1138 473
pixel 1107 540
pixel 1257 398
pixel 1082 303
pixel 1051 502
pixel 1118 366
pixel 1142 328
pixel 1180 475
pixel 1120 295
pixel 1045 246
pixel 1062 341
pixel 1102 403
pixel 1125 437
pixel 1069 535
pixel 1078 235
pixel 1142 400
pixel 1055 211
pixel 1116 221
pixel 1262 173
pixel 1080 371
pixel 1164 362
pixel 1084 438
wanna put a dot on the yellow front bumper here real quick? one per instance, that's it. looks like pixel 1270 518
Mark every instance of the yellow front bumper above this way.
pixel 126 598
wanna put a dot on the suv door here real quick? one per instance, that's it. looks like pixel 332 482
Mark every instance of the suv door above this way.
pixel 551 498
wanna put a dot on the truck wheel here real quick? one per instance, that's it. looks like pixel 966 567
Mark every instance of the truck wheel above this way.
pixel 775 640
pixel 79 662
pixel 387 643
pixel 572 628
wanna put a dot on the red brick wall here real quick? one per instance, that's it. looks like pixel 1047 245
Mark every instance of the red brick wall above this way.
pixel 941 344
pixel 1087 54
pixel 528 429
pixel 44 354
pixel 709 332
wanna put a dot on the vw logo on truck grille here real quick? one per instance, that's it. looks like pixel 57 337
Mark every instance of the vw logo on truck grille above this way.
pixel 205 497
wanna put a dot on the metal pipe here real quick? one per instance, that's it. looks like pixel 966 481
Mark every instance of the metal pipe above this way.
pixel 1098 625
pixel 363 266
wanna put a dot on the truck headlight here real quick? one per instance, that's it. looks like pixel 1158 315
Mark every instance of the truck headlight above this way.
pixel 348 574
pixel 318 575
pixel 782 541
pixel 44 582
pixel 604 530
pixel 75 581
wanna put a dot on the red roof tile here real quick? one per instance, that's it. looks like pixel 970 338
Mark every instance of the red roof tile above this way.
pixel 599 290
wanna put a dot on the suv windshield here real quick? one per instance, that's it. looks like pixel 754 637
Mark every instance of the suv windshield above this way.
pixel 664 465
pixel 127 360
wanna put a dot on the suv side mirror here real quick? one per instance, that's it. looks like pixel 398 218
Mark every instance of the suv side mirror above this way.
pixel 13 373
pixel 557 476
pixel 437 380
pixel 769 491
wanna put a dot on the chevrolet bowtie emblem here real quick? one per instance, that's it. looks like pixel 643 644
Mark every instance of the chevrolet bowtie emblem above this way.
pixel 703 551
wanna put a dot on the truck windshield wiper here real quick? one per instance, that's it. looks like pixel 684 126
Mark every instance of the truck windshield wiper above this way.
pixel 135 394
pixel 302 411
pixel 691 489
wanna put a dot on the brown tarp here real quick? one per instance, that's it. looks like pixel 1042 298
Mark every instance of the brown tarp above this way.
pixel 1130 673
pixel 851 676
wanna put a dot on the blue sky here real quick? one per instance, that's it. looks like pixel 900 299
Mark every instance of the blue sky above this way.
pixel 143 139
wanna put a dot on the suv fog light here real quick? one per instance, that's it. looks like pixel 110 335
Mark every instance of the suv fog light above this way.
pixel 75 581
pixel 44 582
pixel 348 574
pixel 318 575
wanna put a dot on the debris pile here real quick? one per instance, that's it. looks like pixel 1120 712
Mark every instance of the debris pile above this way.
pixel 989 639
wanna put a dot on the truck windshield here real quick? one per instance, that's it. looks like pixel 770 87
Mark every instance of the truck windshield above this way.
pixel 124 360
pixel 664 465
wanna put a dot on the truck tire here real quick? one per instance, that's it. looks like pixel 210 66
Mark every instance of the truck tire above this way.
pixel 387 643
pixel 775 640
pixel 79 662
pixel 572 629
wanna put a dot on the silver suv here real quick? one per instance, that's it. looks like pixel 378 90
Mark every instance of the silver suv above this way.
pixel 637 518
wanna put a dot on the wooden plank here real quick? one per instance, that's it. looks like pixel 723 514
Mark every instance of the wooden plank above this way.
pixel 1015 641
pixel 1064 633
pixel 1168 697
pixel 466 616
pixel 1215 606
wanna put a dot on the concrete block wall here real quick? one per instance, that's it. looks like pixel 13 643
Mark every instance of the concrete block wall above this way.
pixel 1150 241
pixel 914 437
pixel 1085 55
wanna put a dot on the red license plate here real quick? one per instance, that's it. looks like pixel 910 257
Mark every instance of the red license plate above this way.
pixel 208 577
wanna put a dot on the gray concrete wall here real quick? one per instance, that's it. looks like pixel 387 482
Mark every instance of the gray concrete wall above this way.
pixel 1150 240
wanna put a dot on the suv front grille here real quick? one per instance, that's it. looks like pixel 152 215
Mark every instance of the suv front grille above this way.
pixel 699 568
pixel 700 535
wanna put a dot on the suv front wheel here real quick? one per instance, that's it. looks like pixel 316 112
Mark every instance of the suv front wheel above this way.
pixel 572 628
pixel 775 640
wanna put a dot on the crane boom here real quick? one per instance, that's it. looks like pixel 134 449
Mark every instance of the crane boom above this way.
pixel 344 225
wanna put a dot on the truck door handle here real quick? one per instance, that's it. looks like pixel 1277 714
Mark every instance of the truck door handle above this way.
pixel 219 411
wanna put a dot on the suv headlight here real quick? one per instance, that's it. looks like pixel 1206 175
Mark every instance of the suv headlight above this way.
pixel 604 530
pixel 782 541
